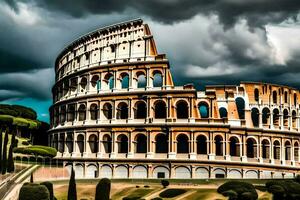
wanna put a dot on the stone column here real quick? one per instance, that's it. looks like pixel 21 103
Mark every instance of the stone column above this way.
pixel 243 147
pixel 130 146
pixel 172 152
pixel 149 145
pixel 192 153
pixel 99 154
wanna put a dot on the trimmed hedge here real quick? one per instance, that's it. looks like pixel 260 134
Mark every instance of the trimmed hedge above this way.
pixel 49 186
pixel 284 189
pixel 37 151
pixel 32 191
pixel 165 183
pixel 170 193
pixel 238 190
pixel 103 189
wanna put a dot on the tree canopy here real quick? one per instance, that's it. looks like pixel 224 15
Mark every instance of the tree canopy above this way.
pixel 18 111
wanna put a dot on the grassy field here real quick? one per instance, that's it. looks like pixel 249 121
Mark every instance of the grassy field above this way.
pixel 205 190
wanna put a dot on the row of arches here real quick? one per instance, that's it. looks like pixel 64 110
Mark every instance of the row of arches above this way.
pixel 140 144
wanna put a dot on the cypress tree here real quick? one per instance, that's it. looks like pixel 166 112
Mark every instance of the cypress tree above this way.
pixel 72 193
pixel 10 162
pixel 103 189
pixel 4 156
pixel 1 163
pixel 31 178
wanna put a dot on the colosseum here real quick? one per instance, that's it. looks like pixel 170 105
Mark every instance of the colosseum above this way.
pixel 116 113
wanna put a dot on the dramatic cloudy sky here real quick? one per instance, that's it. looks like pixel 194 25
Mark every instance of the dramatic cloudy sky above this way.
pixel 207 41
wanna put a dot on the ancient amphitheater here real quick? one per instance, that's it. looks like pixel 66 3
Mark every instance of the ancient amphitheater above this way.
pixel 116 113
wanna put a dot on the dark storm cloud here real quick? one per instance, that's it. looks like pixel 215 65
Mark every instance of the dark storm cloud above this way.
pixel 257 12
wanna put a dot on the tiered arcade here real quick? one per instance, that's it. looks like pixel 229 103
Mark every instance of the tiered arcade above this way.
pixel 116 113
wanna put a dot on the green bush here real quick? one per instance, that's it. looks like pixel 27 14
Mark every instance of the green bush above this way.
pixel 284 189
pixel 37 151
pixel 239 188
pixel 31 191
pixel 146 186
pixel 49 186
pixel 165 183
pixel 17 111
pixel 170 193
pixel 232 195
pixel 103 189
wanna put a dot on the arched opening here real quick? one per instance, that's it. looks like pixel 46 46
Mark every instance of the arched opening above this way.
pixel 274 94
pixel 276 147
pixel 160 110
pixel 107 110
pixel 219 145
pixel 182 110
pixel 94 111
pixel 255 117
pixel 61 143
pixel 256 94
pixel 93 143
pixel 285 97
pixel 161 143
pixel 265 149
pixel 109 79
pixel 122 112
pixel 266 116
pixel 71 112
pixel 142 81
pixel 62 114
pixel 203 110
pixel 96 82
pixel 69 142
pixel 73 85
pixel 201 144
pixel 124 81
pixel 141 143
pixel 295 99
pixel 251 148
pixel 82 112
pixel 83 83
pixel 66 88
pixel 223 112
pixel 80 143
pixel 276 117
pixel 140 110
pixel 122 144
pixel 296 151
pixel 107 143
pixel 287 146
pixel 240 104
pixel 234 146
pixel 294 119
pixel 182 144
pixel 157 80
pixel 286 117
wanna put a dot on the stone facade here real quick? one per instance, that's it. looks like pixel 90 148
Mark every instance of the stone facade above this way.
pixel 117 113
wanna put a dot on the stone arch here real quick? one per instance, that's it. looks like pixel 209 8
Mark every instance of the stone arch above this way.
pixel 287 150
pixel 182 110
pixel 79 171
pixel 124 77
pixel 276 149
pixel 265 149
pixel 286 117
pixel 234 174
pixel 141 80
pixel 121 171
pixel 274 95
pixel 109 80
pixel 161 143
pixel 82 112
pixel 276 117
pixel 95 82
pixel 139 171
pixel 251 174
pixel 203 108
pixel 122 111
pixel 219 173
pixel 107 143
pixel 93 143
pixel 83 83
pixel 91 171
pixel 201 144
pixel 63 114
pixel 294 119
pixel 71 112
pixel 106 171
pixel 296 151
pixel 157 79
pixel 256 94
pixel 161 172
pixel 255 117
pixel 266 116
pixel 234 146
pixel 182 143
pixel 141 143
pixel 122 143
pixel 240 104
pixel 160 109
pixel 251 148
pixel 182 172
pixel 219 145
pixel 202 173
pixel 69 142
pixel 107 110
pixel 223 112
pixel 94 111
pixel 140 110
pixel 80 143
pixel 61 143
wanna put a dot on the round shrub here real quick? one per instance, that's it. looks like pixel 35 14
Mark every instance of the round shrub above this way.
pixel 33 191
pixel 277 191
pixel 170 193
pixel 239 187
pixel 231 194
pixel 137 186
pixel 287 189
pixel 103 189
pixel 37 151
pixel 164 183
pixel 146 186
pixel 49 186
